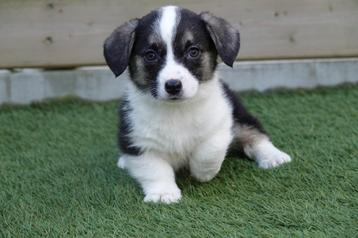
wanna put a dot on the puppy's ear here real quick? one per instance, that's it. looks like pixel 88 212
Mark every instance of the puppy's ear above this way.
pixel 118 46
pixel 225 37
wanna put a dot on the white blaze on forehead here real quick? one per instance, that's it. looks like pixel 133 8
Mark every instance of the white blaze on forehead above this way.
pixel 168 22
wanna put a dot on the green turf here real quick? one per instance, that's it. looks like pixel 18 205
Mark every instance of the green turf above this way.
pixel 58 175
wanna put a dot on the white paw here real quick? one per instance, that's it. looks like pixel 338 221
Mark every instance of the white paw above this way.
pixel 121 162
pixel 273 158
pixel 170 196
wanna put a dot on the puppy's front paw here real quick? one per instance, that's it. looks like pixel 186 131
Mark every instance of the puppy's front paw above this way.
pixel 167 196
pixel 273 158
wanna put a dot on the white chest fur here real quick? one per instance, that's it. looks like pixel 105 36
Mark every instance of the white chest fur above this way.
pixel 175 129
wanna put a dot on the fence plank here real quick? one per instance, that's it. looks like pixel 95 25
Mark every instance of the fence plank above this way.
pixel 65 33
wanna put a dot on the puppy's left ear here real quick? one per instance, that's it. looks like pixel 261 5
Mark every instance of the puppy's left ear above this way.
pixel 118 46
pixel 225 37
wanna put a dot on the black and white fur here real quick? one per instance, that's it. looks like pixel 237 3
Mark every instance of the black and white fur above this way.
pixel 176 112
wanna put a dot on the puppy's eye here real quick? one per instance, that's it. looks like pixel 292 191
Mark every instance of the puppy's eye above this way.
pixel 193 52
pixel 150 56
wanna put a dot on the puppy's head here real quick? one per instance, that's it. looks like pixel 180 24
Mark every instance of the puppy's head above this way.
pixel 171 51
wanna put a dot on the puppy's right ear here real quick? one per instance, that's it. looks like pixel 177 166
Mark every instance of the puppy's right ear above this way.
pixel 118 46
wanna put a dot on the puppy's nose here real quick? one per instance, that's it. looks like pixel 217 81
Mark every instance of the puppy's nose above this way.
pixel 173 86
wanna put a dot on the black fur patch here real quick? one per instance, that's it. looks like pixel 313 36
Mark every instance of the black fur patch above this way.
pixel 239 112
pixel 192 25
pixel 124 140
pixel 147 38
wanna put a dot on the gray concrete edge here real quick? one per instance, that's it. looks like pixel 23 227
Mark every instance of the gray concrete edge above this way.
pixel 25 86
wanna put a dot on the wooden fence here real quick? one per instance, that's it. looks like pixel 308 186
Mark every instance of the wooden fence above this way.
pixel 70 33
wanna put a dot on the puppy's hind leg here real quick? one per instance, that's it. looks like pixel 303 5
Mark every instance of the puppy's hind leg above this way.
pixel 154 174
pixel 250 135
pixel 258 146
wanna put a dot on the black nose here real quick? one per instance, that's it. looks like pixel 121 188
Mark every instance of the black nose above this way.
pixel 173 86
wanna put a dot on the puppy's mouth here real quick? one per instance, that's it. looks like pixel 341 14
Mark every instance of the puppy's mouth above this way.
pixel 175 98
pixel 172 98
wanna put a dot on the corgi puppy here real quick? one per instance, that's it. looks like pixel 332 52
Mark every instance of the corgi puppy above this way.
pixel 176 111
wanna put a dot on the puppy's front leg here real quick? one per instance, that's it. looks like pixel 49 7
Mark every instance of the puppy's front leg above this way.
pixel 154 174
pixel 207 159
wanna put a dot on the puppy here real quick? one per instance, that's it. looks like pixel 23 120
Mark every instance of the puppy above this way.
pixel 176 112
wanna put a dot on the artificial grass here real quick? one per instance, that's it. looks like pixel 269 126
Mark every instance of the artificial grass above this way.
pixel 58 175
